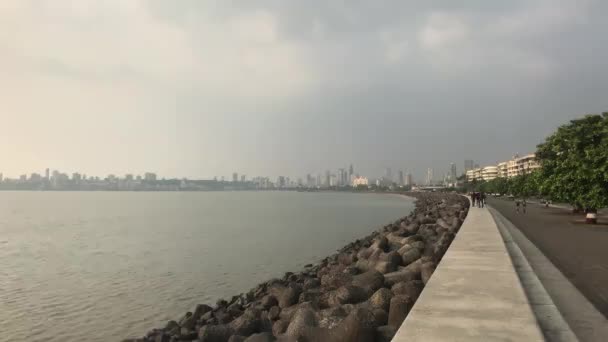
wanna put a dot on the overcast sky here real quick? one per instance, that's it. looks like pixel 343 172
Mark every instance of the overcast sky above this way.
pixel 204 88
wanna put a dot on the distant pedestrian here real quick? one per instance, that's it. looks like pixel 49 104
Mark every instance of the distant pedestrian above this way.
pixel 482 199
pixel 523 205
pixel 517 205
pixel 473 198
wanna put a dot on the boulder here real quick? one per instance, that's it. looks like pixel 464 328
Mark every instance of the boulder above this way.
pixel 359 326
pixel 289 296
pixel 331 317
pixel 411 288
pixel 236 338
pixel 392 257
pixel 380 243
pixel 311 283
pixel 274 313
pixel 247 324
pixel 279 327
pixel 335 280
pixel 380 316
pixel 385 333
pixel 426 271
pixel 268 301
pixel 385 267
pixel 344 295
pixel 370 281
pixel 402 275
pixel 303 318
pixel 381 299
pixel 215 333
pixel 399 308
pixel 410 256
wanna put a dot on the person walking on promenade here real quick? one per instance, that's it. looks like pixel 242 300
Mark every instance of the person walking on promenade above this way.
pixel 517 205
pixel 523 205
pixel 473 198
pixel 482 199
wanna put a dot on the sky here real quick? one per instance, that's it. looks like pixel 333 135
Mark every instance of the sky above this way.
pixel 265 88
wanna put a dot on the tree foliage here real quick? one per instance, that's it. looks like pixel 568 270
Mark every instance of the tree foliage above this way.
pixel 574 162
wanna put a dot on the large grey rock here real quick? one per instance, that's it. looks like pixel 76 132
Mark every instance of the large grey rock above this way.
pixel 335 280
pixel 215 333
pixel 410 256
pixel 303 318
pixel 411 288
pixel 246 324
pixel 289 296
pixel 381 299
pixel 385 333
pixel 268 301
pixel 237 338
pixel 274 313
pixel 399 308
pixel 370 281
pixel 279 327
pixel 344 295
pixel 426 271
pixel 401 276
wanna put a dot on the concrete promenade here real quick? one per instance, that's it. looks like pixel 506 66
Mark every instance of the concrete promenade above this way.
pixel 474 294
pixel 578 250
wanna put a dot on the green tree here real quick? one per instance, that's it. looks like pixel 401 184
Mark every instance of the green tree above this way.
pixel 574 163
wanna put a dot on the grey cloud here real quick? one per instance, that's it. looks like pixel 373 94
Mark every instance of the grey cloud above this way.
pixel 392 83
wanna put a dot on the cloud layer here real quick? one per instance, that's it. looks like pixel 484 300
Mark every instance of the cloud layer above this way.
pixel 198 89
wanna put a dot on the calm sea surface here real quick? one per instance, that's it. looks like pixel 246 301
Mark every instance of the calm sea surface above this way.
pixel 103 266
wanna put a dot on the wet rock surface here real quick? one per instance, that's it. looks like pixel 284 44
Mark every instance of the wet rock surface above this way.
pixel 361 293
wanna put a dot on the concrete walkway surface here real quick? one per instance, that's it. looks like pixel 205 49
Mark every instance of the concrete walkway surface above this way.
pixel 474 294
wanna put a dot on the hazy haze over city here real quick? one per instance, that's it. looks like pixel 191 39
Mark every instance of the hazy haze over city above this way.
pixel 205 88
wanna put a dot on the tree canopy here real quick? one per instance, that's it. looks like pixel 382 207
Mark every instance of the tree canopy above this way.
pixel 574 162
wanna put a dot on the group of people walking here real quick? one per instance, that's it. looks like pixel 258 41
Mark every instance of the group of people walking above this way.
pixel 478 199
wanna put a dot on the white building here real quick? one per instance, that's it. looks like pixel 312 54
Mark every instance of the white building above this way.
pixel 489 172
pixel 360 181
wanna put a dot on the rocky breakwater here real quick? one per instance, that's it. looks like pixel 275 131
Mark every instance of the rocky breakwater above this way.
pixel 362 293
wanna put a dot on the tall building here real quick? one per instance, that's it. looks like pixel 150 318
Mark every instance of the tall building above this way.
pixel 150 177
pixel 318 180
pixel 235 177
pixel 408 179
pixel 468 165
pixel 453 175
pixel 327 178
pixel 47 174
pixel 243 178
pixel 429 176
pixel 351 171
pixel 401 179
pixel 389 174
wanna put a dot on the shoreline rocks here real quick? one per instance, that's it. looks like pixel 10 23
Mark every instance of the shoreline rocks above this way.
pixel 361 293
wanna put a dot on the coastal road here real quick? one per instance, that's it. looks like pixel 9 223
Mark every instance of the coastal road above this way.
pixel 578 250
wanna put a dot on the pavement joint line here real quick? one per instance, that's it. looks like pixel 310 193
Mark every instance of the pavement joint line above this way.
pixel 548 315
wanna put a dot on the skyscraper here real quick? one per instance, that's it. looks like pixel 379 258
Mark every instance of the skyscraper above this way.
pixel 389 174
pixel 429 176
pixel 453 175
pixel 408 179
pixel 351 170
pixel 235 177
pixel 401 179
pixel 327 178
pixel 47 174
pixel 468 165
